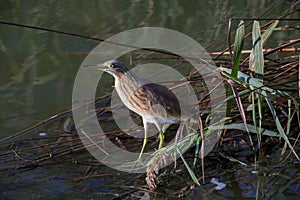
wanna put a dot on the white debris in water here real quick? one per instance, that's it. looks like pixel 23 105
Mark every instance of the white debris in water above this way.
pixel 220 185
pixel 42 134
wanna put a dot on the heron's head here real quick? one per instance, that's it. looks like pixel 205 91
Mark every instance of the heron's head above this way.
pixel 113 67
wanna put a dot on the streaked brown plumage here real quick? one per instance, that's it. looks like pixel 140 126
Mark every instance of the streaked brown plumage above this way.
pixel 147 95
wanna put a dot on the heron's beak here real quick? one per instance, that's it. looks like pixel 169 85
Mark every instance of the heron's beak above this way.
pixel 102 67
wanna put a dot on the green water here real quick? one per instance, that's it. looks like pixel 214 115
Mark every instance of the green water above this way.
pixel 38 69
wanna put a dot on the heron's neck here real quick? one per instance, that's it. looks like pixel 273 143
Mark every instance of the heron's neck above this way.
pixel 129 78
pixel 126 85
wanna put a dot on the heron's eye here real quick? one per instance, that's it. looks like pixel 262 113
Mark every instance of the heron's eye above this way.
pixel 113 65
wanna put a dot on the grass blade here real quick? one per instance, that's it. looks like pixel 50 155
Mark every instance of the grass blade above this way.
pixel 239 103
pixel 235 160
pixel 279 127
pixel 192 174
pixel 251 128
pixel 237 52
pixel 266 35
pixel 256 62
pixel 238 45
pixel 241 109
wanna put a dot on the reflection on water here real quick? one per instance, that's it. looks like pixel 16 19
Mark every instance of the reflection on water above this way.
pixel 36 79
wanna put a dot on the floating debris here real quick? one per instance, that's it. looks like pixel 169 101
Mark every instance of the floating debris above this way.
pixel 220 186
pixel 42 134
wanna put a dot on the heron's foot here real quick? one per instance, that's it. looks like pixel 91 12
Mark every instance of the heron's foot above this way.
pixel 140 156
pixel 138 161
pixel 137 164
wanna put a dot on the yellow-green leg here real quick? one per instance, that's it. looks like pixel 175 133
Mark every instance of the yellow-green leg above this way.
pixel 161 139
pixel 162 136
pixel 145 140
pixel 143 147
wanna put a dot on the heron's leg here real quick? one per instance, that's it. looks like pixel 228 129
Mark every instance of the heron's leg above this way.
pixel 161 139
pixel 145 139
pixel 161 134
